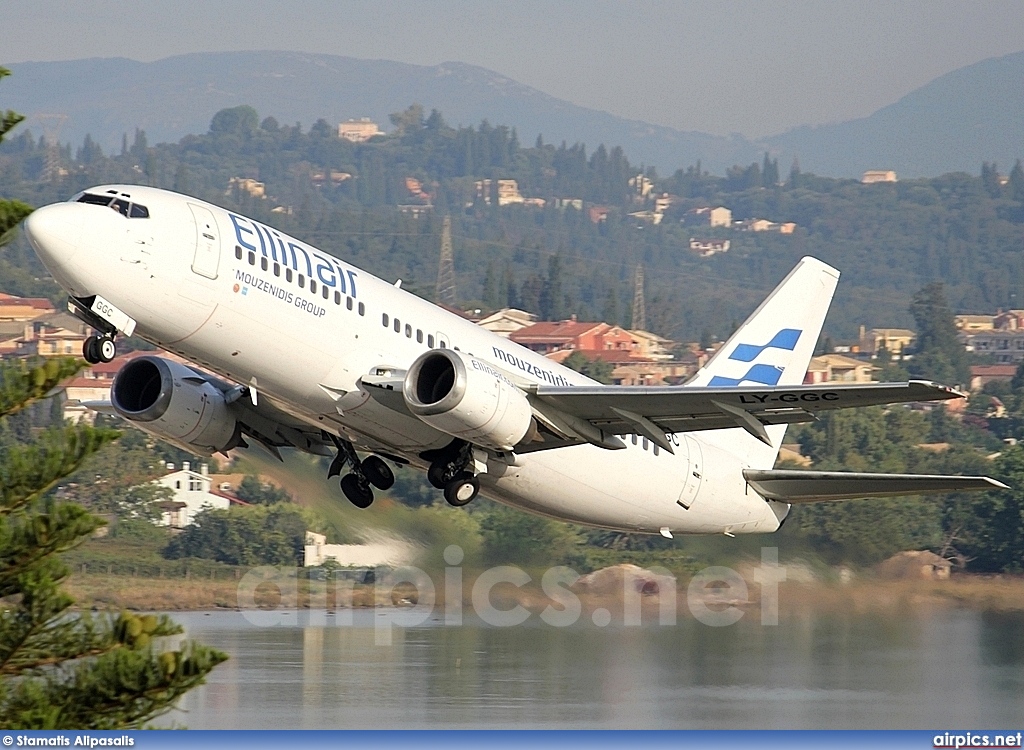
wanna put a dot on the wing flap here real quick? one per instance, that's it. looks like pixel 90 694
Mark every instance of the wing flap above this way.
pixel 817 486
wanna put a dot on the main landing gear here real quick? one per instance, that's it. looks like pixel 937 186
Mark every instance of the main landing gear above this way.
pixel 99 349
pixel 449 472
pixel 358 483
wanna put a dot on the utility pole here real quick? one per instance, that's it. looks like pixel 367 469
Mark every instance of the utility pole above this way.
pixel 639 311
pixel 446 269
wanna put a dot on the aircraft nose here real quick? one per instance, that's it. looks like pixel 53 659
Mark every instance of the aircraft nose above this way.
pixel 53 233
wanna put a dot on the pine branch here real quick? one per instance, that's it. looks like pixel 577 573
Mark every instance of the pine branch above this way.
pixel 28 471
pixel 12 213
pixel 23 382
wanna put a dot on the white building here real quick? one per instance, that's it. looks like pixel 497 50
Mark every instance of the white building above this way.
pixel 192 495
pixel 392 553
pixel 507 321
pixel 878 175
pixel 359 131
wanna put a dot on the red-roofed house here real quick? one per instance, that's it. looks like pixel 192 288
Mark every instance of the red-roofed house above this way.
pixel 23 308
pixel 984 374
pixel 552 336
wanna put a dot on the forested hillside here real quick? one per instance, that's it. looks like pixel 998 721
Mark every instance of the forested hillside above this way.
pixel 888 239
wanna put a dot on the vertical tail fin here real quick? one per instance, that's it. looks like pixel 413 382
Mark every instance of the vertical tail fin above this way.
pixel 772 347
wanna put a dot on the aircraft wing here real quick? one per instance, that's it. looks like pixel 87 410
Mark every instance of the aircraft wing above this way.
pixel 815 486
pixel 654 411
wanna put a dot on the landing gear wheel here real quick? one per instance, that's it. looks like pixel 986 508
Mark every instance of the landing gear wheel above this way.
pixel 378 473
pixel 90 350
pixel 462 490
pixel 436 475
pixel 357 490
pixel 106 349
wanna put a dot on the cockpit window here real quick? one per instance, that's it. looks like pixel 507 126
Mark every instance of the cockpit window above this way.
pixel 123 207
pixel 97 200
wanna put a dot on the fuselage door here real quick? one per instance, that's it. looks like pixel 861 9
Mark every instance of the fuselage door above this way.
pixel 691 485
pixel 207 258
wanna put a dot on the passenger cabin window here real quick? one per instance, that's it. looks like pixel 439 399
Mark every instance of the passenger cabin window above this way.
pixel 312 286
pixel 288 275
pixel 430 340
pixel 238 252
pixel 362 309
pixel 277 269
pixel 302 281
pixel 419 336
pixel 337 299
pixel 398 326
pixel 408 331
pixel 252 258
pixel 264 263
pixel 348 302
pixel 384 319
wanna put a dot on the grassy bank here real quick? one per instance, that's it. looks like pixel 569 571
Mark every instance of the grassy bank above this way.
pixel 102 591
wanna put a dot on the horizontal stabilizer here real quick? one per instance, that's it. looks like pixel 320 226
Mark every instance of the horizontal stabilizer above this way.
pixel 815 486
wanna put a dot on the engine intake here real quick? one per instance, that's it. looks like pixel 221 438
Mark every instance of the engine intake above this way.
pixel 468 398
pixel 174 403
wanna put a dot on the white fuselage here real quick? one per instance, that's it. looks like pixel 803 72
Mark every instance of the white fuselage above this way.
pixel 247 302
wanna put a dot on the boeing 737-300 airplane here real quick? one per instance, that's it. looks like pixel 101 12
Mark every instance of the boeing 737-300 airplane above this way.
pixel 300 349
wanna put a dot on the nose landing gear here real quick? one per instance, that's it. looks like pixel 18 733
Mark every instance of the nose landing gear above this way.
pixel 99 349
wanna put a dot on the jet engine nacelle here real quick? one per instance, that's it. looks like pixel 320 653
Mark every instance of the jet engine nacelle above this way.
pixel 466 397
pixel 174 403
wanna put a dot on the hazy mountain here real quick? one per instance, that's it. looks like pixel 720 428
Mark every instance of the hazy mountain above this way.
pixel 176 96
pixel 968 116
pixel 954 123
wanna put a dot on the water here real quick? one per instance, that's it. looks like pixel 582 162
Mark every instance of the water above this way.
pixel 932 669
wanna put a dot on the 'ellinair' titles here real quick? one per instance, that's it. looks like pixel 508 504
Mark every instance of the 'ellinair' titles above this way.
pixel 292 254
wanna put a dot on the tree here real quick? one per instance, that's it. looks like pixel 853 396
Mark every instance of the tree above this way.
pixel 58 669
pixel 1017 181
pixel 11 212
pixel 409 121
pixel 990 180
pixel 241 121
pixel 595 369
pixel 252 490
pixel 511 536
pixel 261 535
pixel 995 540
pixel 939 355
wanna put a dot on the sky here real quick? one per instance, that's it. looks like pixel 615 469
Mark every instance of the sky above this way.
pixel 729 66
